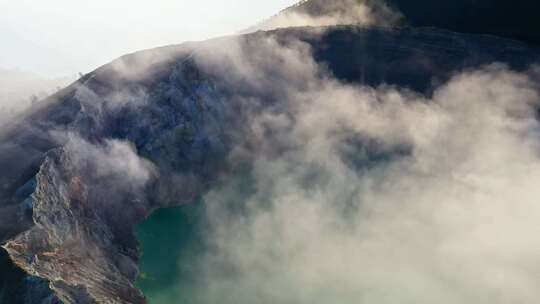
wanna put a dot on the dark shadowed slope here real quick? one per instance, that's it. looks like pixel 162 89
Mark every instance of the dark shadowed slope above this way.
pixel 512 19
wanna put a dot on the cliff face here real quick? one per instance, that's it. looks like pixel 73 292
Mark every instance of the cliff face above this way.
pixel 74 239
pixel 158 127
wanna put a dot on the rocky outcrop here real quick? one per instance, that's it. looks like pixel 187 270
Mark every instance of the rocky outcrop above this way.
pixel 74 240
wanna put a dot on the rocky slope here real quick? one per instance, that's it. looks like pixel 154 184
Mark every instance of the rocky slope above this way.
pixel 156 128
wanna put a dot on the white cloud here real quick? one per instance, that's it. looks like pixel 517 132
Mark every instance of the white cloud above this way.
pixel 453 221
pixel 18 90
pixel 113 160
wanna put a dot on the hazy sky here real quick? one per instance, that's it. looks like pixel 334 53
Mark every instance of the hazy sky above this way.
pixel 63 37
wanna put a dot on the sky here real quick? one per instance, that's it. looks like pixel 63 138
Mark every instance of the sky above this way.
pixel 57 38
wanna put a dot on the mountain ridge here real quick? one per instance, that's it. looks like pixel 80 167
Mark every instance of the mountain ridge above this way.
pixel 510 19
pixel 176 112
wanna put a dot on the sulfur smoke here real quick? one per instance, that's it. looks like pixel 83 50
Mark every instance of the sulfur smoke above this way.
pixel 375 195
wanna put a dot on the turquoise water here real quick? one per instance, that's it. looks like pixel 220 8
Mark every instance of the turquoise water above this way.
pixel 171 242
